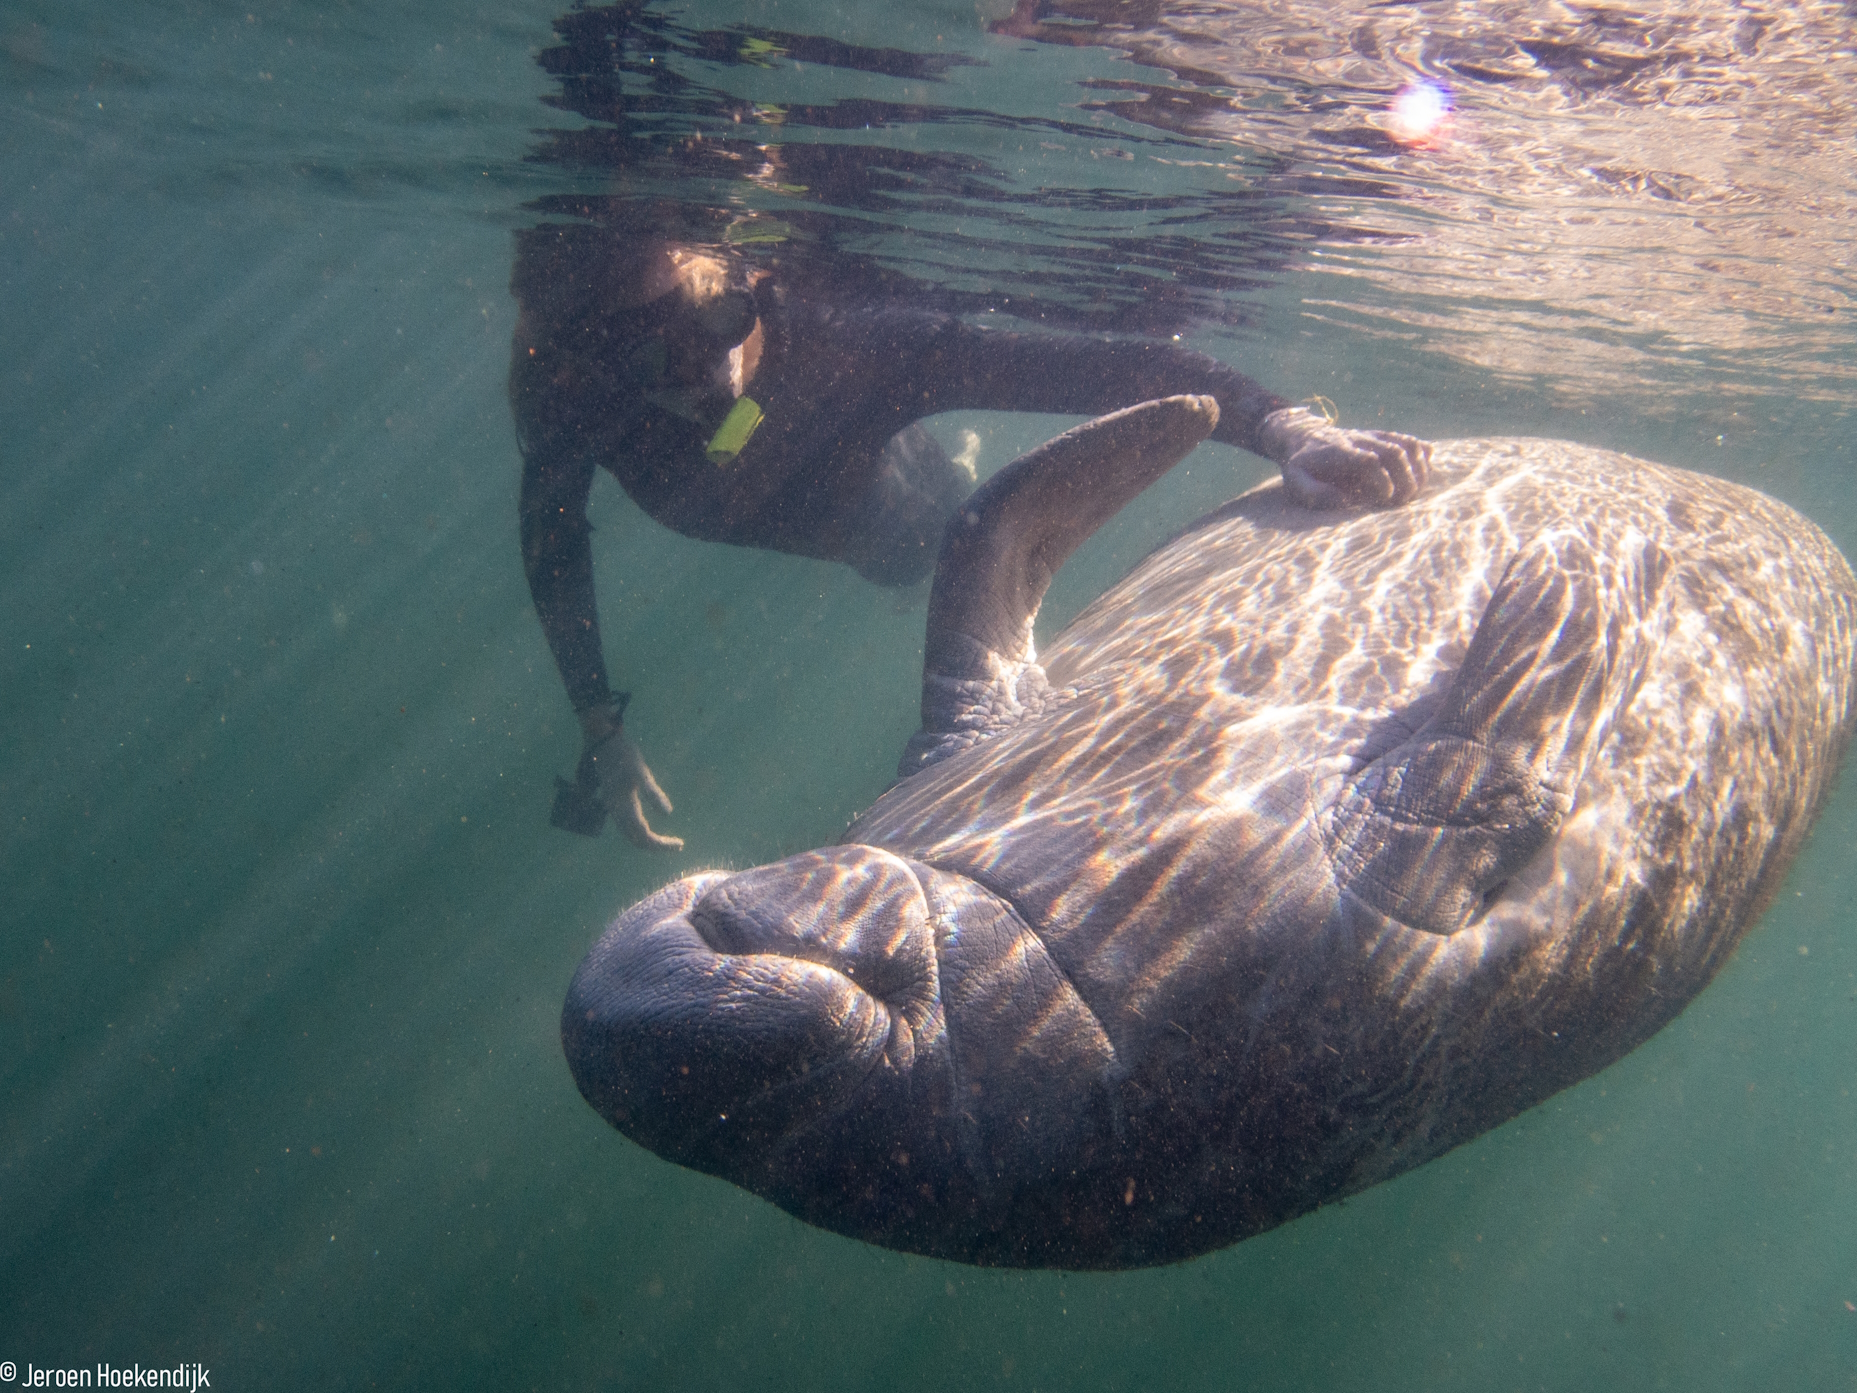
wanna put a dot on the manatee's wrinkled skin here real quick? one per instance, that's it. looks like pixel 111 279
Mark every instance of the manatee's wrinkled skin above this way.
pixel 1323 843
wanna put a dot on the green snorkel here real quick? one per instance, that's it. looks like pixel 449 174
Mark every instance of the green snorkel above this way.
pixel 732 435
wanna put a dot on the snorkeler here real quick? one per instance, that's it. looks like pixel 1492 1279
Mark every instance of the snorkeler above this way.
pixel 734 410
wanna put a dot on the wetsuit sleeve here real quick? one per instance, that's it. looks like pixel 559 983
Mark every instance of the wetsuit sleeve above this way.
pixel 557 556
pixel 1002 370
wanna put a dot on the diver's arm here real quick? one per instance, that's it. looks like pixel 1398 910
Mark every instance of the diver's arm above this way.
pixel 557 557
pixel 1323 465
pixel 1083 375
pixel 558 560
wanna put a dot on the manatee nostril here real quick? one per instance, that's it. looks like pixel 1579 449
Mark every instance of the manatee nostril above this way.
pixel 730 928
pixel 856 911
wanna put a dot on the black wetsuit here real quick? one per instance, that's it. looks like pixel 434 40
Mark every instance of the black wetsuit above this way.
pixel 837 384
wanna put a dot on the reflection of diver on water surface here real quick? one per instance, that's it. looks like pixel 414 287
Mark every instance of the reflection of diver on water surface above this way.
pixel 735 409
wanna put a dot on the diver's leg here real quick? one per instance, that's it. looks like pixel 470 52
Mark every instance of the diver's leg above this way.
pixel 915 491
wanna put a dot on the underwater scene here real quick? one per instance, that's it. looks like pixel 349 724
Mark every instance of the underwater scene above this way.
pixel 352 350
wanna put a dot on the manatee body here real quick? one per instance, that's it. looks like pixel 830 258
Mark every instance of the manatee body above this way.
pixel 1322 843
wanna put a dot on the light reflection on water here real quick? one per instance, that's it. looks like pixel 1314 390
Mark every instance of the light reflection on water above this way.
pixel 285 929
pixel 1657 198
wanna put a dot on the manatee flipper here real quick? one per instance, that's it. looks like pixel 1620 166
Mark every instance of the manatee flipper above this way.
pixel 1000 550
pixel 1427 830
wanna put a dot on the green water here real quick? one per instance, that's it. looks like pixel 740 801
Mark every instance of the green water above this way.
pixel 285 931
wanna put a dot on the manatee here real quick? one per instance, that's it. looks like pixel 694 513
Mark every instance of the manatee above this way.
pixel 1322 843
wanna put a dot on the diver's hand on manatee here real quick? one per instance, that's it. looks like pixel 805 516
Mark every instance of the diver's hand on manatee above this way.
pixel 1325 466
pixel 624 778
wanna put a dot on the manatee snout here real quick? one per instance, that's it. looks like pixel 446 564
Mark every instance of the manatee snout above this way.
pixel 732 1022
pixel 877 1046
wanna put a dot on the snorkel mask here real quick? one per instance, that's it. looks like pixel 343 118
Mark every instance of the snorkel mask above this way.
pixel 691 341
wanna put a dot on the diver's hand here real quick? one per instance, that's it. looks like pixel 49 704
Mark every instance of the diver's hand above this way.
pixel 624 778
pixel 1325 466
